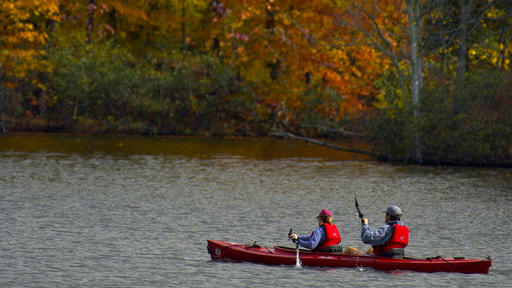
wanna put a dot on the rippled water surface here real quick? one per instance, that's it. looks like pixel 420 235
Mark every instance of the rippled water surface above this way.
pixel 136 212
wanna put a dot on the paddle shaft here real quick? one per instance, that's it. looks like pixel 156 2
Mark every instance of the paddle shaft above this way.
pixel 293 240
pixel 296 241
pixel 361 215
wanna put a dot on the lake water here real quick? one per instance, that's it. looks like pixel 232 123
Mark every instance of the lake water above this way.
pixel 137 211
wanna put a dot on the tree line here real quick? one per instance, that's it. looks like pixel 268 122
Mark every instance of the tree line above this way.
pixel 421 81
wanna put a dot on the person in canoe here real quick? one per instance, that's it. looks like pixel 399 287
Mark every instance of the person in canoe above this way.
pixel 325 238
pixel 390 239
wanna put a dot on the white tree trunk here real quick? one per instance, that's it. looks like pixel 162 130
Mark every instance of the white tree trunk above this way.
pixel 413 14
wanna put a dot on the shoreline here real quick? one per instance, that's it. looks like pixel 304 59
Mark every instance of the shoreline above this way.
pixel 143 140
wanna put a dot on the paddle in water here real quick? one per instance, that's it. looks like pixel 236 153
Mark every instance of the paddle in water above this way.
pixel 359 211
pixel 297 258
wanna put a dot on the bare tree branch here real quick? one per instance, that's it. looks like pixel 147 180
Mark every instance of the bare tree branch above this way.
pixel 321 143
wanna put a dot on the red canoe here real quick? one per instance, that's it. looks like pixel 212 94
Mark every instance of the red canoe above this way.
pixel 287 256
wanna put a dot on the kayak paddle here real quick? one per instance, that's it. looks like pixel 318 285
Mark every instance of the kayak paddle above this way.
pixel 359 211
pixel 297 258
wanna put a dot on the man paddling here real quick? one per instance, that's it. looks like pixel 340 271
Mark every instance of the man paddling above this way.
pixel 390 239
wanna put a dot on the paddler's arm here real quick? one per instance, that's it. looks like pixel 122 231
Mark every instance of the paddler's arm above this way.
pixel 377 237
pixel 311 241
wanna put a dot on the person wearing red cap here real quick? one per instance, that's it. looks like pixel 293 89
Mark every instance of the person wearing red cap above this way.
pixel 325 238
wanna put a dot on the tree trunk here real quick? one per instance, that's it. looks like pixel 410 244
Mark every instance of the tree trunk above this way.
pixel 413 14
pixel 416 63
pixel 504 43
pixel 465 9
pixel 3 102
pixel 90 19
pixel 3 122
pixel 44 76
pixel 2 117
pixel 270 19
pixel 183 27
pixel 113 18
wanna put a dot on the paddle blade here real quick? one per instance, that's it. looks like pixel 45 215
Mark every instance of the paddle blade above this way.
pixel 358 210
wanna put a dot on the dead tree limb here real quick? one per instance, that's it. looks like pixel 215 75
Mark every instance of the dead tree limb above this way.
pixel 318 142
pixel 333 130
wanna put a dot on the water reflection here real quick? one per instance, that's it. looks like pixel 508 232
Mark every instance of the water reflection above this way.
pixel 254 148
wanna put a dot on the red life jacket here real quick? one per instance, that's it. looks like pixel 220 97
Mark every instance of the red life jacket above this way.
pixel 332 236
pixel 399 239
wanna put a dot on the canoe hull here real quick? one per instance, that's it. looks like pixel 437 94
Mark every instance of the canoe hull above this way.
pixel 220 250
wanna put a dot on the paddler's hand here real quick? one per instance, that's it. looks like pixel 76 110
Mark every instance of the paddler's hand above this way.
pixel 294 237
pixel 364 221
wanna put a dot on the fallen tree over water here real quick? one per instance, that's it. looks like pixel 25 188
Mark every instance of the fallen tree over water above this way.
pixel 283 134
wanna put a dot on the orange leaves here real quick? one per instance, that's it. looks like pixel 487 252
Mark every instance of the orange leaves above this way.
pixel 126 9
pixel 287 50
pixel 24 36
pixel 276 43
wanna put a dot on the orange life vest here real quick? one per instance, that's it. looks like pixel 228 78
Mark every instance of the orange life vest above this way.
pixel 399 239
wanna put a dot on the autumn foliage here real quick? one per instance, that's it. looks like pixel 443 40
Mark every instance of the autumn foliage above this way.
pixel 25 32
pixel 226 67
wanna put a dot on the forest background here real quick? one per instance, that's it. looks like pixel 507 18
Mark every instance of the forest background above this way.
pixel 420 81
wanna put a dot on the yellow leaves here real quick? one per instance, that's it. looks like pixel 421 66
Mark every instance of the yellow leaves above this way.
pixel 383 103
pixel 286 21
pixel 355 71
pixel 38 84
pixel 33 36
pixel 7 6
pixel 23 10
pixel 24 37
pixel 495 13
pixel 23 26
pixel 490 53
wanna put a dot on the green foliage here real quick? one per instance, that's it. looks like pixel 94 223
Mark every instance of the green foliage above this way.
pixel 389 132
pixel 471 125
pixel 311 120
pixel 102 88
pixel 389 127
pixel 195 94
pixel 92 84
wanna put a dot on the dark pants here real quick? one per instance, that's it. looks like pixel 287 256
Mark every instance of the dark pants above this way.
pixel 394 253
pixel 331 249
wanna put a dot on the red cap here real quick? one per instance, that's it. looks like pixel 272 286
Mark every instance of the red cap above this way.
pixel 325 212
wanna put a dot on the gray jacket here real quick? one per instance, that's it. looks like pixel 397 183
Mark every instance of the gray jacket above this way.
pixel 380 236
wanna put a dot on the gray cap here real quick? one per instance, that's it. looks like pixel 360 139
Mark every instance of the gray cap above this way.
pixel 393 210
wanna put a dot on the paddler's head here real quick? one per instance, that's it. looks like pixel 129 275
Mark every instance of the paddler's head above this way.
pixel 393 213
pixel 325 216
